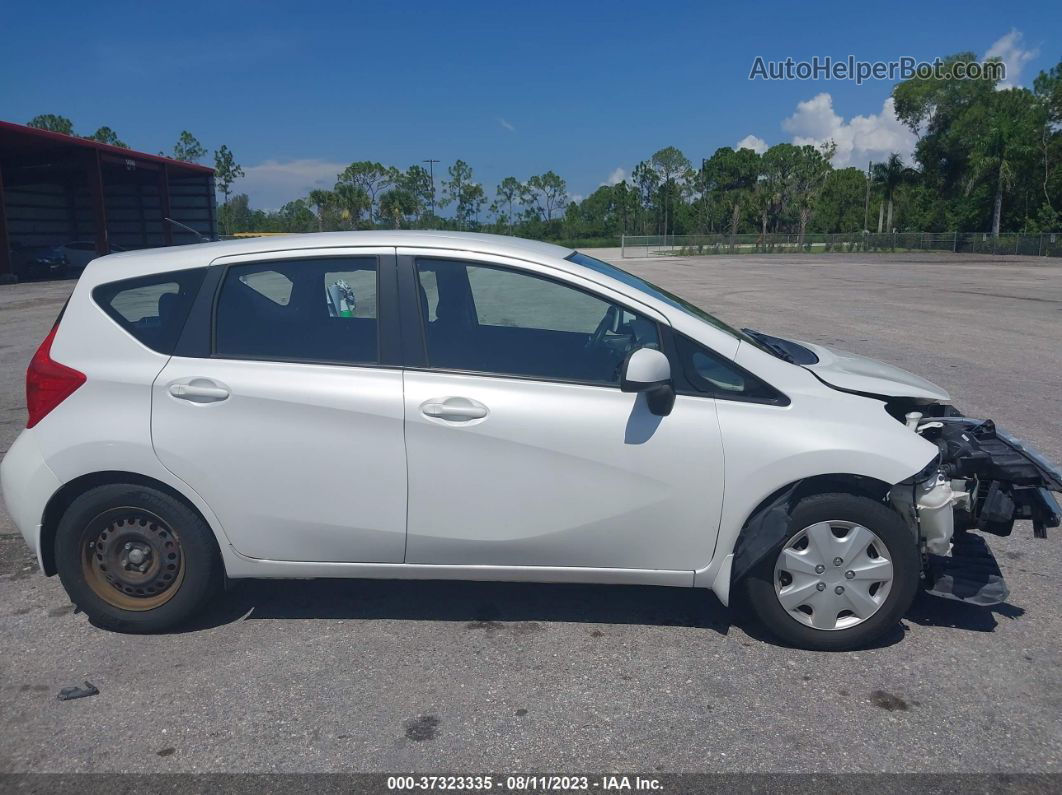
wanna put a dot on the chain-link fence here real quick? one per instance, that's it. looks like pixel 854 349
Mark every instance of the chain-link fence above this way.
pixel 1039 245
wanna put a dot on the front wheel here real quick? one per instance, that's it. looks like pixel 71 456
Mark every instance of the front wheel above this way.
pixel 846 572
pixel 135 559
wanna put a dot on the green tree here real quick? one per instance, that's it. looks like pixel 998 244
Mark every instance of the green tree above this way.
pixel 235 215
pixel 646 183
pixel 940 111
pixel 508 191
pixel 105 135
pixel 397 205
pixel 322 201
pixel 774 188
pixel 812 169
pixel 369 177
pixel 1047 88
pixel 728 178
pixel 548 192
pixel 670 165
pixel 352 200
pixel 226 170
pixel 188 148
pixel 461 190
pixel 889 176
pixel 52 123
pixel 1005 139
pixel 296 216
pixel 417 182
pixel 840 205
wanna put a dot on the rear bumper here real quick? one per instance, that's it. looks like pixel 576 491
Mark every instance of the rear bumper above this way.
pixel 27 484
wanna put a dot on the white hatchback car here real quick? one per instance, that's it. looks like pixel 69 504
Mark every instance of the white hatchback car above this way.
pixel 439 405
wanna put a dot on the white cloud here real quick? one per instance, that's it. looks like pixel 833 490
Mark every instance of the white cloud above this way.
pixel 859 140
pixel 617 176
pixel 575 197
pixel 753 142
pixel 507 125
pixel 1009 50
pixel 273 183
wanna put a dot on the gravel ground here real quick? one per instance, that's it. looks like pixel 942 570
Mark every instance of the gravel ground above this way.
pixel 398 676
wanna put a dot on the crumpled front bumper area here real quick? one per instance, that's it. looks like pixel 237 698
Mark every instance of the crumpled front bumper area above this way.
pixel 1011 479
pixel 984 479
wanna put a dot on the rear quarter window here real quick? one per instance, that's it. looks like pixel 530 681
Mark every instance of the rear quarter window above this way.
pixel 152 309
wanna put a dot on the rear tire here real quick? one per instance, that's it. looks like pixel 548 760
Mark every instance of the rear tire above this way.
pixel 135 559
pixel 794 592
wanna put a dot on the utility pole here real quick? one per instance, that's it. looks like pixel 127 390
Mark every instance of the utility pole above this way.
pixel 431 173
pixel 866 204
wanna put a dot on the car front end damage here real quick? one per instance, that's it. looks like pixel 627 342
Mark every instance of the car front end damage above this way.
pixel 982 479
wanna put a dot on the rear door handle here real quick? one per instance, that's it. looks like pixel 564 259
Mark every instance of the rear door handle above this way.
pixel 199 390
pixel 454 409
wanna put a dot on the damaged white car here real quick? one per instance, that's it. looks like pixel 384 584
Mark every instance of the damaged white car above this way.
pixel 441 405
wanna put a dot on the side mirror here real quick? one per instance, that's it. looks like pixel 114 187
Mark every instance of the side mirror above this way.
pixel 648 370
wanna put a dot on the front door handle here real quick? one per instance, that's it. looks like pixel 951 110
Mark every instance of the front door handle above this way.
pixel 199 390
pixel 454 409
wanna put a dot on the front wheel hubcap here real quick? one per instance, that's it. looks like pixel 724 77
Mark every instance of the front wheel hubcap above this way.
pixel 132 559
pixel 833 575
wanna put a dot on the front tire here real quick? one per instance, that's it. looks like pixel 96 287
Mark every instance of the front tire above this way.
pixel 135 559
pixel 848 569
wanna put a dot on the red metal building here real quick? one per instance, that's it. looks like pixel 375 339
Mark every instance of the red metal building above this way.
pixel 56 189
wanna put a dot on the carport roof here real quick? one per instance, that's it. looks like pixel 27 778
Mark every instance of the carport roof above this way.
pixel 18 139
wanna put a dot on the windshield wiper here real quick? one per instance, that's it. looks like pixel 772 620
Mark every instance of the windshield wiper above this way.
pixel 768 342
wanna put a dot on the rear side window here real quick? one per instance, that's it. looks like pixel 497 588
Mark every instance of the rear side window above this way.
pixel 152 308
pixel 307 310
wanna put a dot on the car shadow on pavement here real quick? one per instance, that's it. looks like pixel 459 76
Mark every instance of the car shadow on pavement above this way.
pixel 932 611
pixel 431 600
pixel 492 604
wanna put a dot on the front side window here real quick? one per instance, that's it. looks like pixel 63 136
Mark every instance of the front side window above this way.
pixel 152 309
pixel 629 279
pixel 711 373
pixel 320 310
pixel 491 319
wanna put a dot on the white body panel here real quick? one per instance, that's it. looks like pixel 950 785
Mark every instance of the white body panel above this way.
pixel 27 483
pixel 863 374
pixel 560 475
pixel 300 462
pixel 302 468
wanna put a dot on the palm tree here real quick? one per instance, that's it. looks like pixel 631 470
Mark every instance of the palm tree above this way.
pixel 890 175
pixel 397 204
pixel 352 201
pixel 1007 137
pixel 321 200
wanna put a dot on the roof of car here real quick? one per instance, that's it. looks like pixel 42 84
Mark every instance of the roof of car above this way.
pixel 463 241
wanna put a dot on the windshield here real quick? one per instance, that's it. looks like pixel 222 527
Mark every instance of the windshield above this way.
pixel 661 294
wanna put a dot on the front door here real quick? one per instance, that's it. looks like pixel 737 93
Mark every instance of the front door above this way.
pixel 292 430
pixel 521 448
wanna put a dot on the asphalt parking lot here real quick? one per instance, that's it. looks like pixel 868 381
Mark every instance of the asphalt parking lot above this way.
pixel 399 676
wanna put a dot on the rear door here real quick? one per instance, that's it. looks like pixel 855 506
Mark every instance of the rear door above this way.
pixel 287 418
pixel 522 450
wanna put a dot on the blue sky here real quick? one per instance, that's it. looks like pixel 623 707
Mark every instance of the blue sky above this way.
pixel 297 90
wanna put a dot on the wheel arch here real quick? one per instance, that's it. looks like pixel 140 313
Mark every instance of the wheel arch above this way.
pixel 765 526
pixel 70 491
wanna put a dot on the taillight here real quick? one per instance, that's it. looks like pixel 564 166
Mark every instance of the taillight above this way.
pixel 48 383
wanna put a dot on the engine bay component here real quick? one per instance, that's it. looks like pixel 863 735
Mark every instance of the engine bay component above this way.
pixel 983 479
pixel 936 506
pixel 1010 479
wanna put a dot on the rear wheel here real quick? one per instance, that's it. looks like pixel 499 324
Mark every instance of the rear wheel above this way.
pixel 135 559
pixel 847 571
